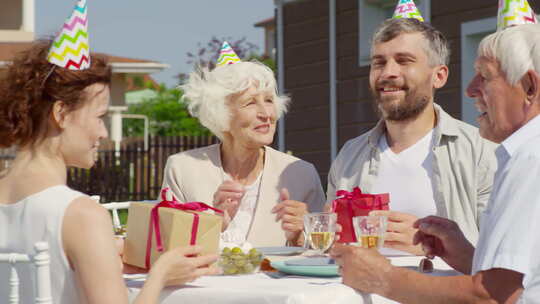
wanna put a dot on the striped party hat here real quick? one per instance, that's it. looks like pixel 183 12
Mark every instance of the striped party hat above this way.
pixel 227 55
pixel 70 47
pixel 407 9
pixel 514 12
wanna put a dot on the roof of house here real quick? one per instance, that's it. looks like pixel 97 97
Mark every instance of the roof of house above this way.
pixel 118 64
pixel 265 22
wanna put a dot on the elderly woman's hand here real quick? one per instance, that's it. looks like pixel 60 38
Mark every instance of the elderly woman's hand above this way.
pixel 291 213
pixel 227 198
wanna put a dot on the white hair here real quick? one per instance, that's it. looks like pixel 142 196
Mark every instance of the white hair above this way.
pixel 206 92
pixel 517 49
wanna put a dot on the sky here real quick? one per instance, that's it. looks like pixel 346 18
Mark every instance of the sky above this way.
pixel 159 30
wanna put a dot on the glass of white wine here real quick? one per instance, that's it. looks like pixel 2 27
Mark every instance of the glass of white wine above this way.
pixel 370 230
pixel 320 228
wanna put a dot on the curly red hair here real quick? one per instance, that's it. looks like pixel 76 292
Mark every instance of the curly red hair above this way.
pixel 29 90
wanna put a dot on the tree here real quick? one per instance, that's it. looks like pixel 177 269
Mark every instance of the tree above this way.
pixel 168 116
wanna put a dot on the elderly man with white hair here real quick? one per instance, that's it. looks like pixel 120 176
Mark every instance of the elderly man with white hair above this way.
pixel 504 267
pixel 260 189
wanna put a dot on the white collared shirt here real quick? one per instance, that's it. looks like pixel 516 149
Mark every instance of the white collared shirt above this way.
pixel 510 225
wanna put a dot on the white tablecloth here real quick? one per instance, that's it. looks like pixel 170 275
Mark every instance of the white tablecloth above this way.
pixel 260 288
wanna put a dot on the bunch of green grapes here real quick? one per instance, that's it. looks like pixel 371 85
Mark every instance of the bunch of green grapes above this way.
pixel 235 261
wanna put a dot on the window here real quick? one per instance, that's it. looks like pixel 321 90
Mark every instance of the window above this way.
pixel 372 13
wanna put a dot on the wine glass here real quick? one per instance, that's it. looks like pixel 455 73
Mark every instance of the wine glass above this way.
pixel 320 228
pixel 370 230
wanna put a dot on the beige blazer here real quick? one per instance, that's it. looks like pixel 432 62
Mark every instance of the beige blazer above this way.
pixel 195 175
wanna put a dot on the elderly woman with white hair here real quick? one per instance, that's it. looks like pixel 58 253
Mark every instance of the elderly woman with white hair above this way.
pixel 260 189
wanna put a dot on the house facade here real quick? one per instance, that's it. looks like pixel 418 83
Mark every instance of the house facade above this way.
pixel 323 62
pixel 269 27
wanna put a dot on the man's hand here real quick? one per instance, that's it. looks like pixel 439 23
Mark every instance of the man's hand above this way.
pixel 442 237
pixel 227 198
pixel 362 269
pixel 291 213
pixel 400 231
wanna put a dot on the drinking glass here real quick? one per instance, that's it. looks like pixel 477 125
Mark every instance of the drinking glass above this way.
pixel 320 229
pixel 370 230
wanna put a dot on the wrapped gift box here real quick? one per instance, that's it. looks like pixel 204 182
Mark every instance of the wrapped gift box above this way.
pixel 355 203
pixel 176 229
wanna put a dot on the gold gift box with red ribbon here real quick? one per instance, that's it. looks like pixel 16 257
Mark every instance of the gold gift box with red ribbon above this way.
pixel 152 229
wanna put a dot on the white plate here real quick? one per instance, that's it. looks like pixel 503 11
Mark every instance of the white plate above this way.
pixel 281 250
pixel 134 276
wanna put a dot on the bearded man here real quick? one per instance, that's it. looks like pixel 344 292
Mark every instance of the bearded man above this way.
pixel 429 162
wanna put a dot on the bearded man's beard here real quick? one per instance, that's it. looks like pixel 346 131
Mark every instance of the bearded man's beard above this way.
pixel 393 110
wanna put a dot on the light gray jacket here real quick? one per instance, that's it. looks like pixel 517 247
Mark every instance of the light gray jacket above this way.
pixel 463 168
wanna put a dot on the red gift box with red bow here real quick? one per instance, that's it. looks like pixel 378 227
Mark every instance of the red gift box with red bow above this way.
pixel 350 204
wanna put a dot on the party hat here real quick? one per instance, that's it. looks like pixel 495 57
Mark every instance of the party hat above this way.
pixel 407 9
pixel 70 47
pixel 514 12
pixel 227 55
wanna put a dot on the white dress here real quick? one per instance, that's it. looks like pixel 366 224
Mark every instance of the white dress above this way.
pixel 38 218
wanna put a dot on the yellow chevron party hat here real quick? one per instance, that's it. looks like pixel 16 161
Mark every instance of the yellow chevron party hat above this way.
pixel 514 12
pixel 70 47
pixel 227 55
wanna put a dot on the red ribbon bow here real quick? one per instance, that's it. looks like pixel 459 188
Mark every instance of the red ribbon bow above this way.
pixel 349 195
pixel 154 221
pixel 346 195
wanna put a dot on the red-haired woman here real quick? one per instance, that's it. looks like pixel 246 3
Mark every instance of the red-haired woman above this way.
pixel 55 118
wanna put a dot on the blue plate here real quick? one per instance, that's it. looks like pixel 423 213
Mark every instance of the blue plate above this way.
pixel 311 271
pixel 281 250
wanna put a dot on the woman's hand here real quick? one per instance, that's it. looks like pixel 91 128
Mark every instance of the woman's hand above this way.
pixel 227 198
pixel 126 268
pixel 291 213
pixel 183 264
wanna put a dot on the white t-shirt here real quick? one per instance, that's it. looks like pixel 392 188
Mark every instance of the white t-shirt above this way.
pixel 509 226
pixel 238 228
pixel 406 176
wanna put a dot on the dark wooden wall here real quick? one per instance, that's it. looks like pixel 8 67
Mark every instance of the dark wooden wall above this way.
pixel 306 36
pixel 307 125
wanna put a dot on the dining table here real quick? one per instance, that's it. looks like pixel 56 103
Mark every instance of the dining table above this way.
pixel 276 287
